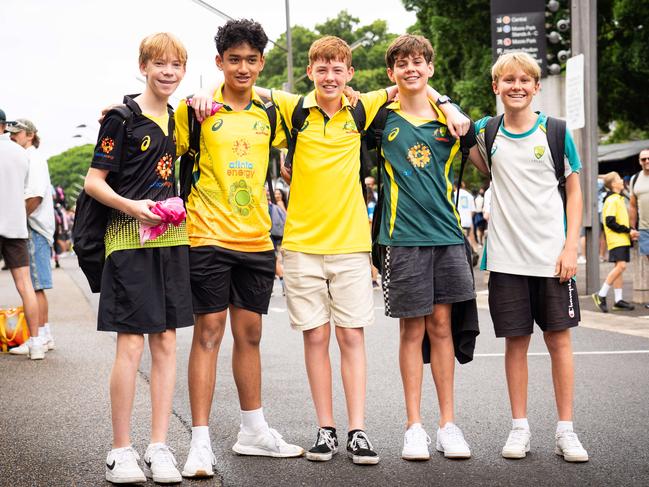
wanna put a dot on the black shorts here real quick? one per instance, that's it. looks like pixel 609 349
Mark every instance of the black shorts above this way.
pixel 15 252
pixel 145 291
pixel 516 302
pixel 417 278
pixel 222 277
pixel 620 254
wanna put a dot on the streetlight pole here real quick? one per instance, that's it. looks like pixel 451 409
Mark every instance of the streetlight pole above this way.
pixel 289 49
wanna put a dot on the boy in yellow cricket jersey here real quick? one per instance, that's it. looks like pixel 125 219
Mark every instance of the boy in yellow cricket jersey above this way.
pixel 327 242
pixel 232 262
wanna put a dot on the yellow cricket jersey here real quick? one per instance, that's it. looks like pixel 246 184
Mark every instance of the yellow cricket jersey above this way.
pixel 228 205
pixel 614 205
pixel 326 213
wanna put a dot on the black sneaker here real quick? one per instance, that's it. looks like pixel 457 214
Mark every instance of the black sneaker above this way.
pixel 359 448
pixel 600 302
pixel 326 445
pixel 622 305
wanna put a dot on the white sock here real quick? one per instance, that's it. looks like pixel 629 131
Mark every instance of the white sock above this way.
pixel 42 332
pixel 604 290
pixel 201 434
pixel 520 423
pixel 416 426
pixel 618 294
pixel 48 330
pixel 564 426
pixel 253 420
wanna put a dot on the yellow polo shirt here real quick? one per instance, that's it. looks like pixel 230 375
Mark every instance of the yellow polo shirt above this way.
pixel 228 206
pixel 326 212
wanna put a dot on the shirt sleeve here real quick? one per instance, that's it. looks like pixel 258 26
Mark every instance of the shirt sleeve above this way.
pixel 36 177
pixel 110 144
pixel 479 127
pixel 372 102
pixel 285 103
pixel 181 130
pixel 571 159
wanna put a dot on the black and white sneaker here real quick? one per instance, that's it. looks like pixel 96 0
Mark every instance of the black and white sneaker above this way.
pixel 325 447
pixel 359 448
pixel 622 305
pixel 600 302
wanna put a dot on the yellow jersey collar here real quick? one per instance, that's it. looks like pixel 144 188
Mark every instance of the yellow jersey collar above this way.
pixel 218 96
pixel 396 105
pixel 311 102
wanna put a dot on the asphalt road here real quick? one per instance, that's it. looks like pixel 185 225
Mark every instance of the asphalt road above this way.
pixel 55 422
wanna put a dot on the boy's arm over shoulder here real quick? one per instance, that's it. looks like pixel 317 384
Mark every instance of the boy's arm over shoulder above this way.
pixel 181 130
pixel 372 102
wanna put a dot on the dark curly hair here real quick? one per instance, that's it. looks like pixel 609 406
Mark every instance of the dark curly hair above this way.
pixel 236 32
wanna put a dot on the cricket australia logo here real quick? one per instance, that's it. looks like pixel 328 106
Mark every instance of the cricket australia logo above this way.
pixel 539 150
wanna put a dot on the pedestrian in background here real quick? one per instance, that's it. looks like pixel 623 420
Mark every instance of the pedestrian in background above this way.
pixel 619 234
pixel 40 224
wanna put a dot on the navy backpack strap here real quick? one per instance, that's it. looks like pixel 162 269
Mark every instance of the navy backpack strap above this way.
pixel 297 121
pixel 490 132
pixel 556 134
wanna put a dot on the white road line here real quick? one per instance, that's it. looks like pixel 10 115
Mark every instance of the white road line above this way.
pixel 545 354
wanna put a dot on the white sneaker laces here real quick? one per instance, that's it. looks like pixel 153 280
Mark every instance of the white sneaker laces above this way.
pixel 416 435
pixel 163 455
pixel 518 436
pixel 571 441
pixel 325 437
pixel 126 455
pixel 454 433
pixel 360 440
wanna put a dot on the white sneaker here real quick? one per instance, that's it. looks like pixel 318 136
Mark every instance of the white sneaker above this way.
pixel 37 349
pixel 20 349
pixel 518 443
pixel 415 444
pixel 265 442
pixel 49 342
pixel 200 460
pixel 569 447
pixel 122 466
pixel 450 440
pixel 160 464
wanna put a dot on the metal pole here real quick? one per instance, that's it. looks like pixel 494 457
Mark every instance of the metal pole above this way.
pixel 289 50
pixel 584 41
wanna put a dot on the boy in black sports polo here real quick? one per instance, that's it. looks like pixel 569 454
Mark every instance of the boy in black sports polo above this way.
pixel 145 288
pixel 425 267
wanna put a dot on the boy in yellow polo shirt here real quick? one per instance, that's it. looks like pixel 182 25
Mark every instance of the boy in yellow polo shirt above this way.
pixel 615 219
pixel 232 261
pixel 327 242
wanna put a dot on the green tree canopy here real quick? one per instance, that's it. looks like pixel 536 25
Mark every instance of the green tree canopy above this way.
pixel 368 58
pixel 68 168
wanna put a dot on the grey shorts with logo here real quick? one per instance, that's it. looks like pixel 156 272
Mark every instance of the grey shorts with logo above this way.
pixel 417 278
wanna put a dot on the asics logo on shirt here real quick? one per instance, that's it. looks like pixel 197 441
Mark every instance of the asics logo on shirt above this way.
pixel 217 125
pixel 393 134
pixel 146 142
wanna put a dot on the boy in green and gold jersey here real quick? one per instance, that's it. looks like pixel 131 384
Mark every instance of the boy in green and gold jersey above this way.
pixel 425 265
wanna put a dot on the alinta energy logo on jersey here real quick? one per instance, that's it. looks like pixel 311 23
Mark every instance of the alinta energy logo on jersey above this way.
pixel 419 155
pixel 261 128
pixel 164 168
pixel 240 198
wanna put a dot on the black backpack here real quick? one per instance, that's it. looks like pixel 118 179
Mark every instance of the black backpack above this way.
pixel 91 216
pixel 299 116
pixel 189 171
pixel 556 134
pixel 377 127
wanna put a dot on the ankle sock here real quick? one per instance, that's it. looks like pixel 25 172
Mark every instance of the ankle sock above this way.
pixel 604 290
pixel 564 426
pixel 520 423
pixel 618 294
pixel 253 420
pixel 200 434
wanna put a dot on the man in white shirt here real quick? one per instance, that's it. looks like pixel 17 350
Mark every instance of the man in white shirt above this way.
pixel 40 223
pixel 14 165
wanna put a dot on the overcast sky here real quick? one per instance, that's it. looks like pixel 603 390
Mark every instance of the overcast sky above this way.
pixel 63 60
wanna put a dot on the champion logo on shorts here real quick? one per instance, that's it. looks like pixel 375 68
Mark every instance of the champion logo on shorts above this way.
pixel 571 308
